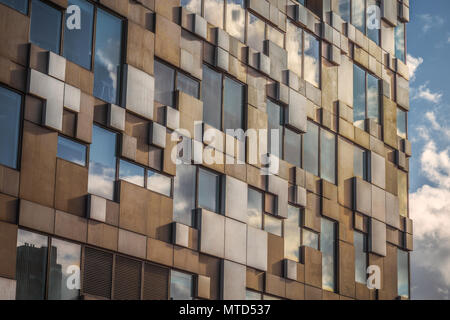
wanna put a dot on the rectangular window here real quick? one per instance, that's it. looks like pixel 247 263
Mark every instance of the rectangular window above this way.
pixel 164 84
pixel 252 295
pixel 312 60
pixel 256 33
pixel 131 173
pixel 311 149
pixel 294 47
pixel 45 28
pixel 328 156
pixel 102 163
pixel 255 208
pixel 233 104
pixel 159 183
pixel 292 233
pixel 366 97
pixel 373 98
pixel 208 190
pixel 310 239
pixel 292 147
pixel 71 151
pixel 78 42
pixel 188 85
pixel 194 6
pixel 360 240
pixel 402 124
pixel 273 225
pixel 275 122
pixel 275 36
pixel 184 194
pixel 212 97
pixel 64 264
pixel 400 47
pixel 19 5
pixel 361 163
pixel 328 249
pixel 108 57
pixel 10 116
pixel 235 19
pixel 344 10
pixel 403 273
pixel 359 15
pixel 214 12
pixel 181 286
pixel 372 32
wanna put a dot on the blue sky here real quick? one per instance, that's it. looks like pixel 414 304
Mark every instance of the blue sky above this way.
pixel 429 130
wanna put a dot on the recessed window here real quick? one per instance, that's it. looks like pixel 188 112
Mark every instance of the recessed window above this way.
pixel 273 225
pixel 361 163
pixel 275 124
pixel 159 183
pixel 188 85
pixel 184 194
pixel 194 6
pixel 292 234
pixel 102 163
pixel 78 42
pixel 366 97
pixel 360 243
pixel 208 190
pixel 181 286
pixel 327 156
pixel 214 12
pixel 71 151
pixel 131 173
pixel 354 11
pixel 256 32
pixel 19 5
pixel 108 57
pixel 275 36
pixel 310 239
pixel 403 273
pixel 235 19
pixel 45 28
pixel 344 10
pixel 401 123
pixel 328 249
pixel 255 208
pixel 164 84
pixel 400 47
pixel 10 114
pixel 233 104
pixel 311 149
pixel 312 59
pixel 292 147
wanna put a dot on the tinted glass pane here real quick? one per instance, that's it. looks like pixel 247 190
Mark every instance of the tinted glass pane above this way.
pixel 164 84
pixel 45 28
pixel 403 273
pixel 159 183
pixel 344 10
pixel 194 6
pixel 102 163
pixel 188 85
pixel 275 121
pixel 212 97
pixel 275 36
pixel 10 103
pixel 78 42
pixel 254 208
pixel 328 249
pixel 401 123
pixel 108 57
pixel 251 295
pixel 359 96
pixel 328 156
pixel 292 234
pixel 181 286
pixel 273 225
pixel 373 33
pixel 292 147
pixel 236 19
pixel 233 105
pixel 400 42
pixel 358 15
pixel 214 12
pixel 19 5
pixel 373 98
pixel 64 268
pixel 360 165
pixel 71 151
pixel 310 239
pixel 312 60
pixel 403 192
pixel 255 33
pixel 294 48
pixel 31 265
pixel 184 194
pixel 311 149
pixel 360 257
pixel 131 173
pixel 208 190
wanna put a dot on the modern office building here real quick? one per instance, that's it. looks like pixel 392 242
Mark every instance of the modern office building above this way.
pixel 121 177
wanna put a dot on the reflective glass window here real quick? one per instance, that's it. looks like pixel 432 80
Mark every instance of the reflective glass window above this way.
pixel 10 106
pixel 131 173
pixel 255 32
pixel 233 105
pixel 372 31
pixel 292 233
pixel 108 57
pixel 403 273
pixel 294 48
pixel 359 96
pixel 328 156
pixel 361 163
pixel 164 84
pixel 214 12
pixel 358 15
pixel 159 183
pixel 310 239
pixel 71 151
pixel 45 28
pixel 273 225
pixel 311 149
pixel 212 97
pixel 252 295
pixel 328 249
pixel 255 208
pixel 275 122
pixel 78 41
pixel 275 36
pixel 181 286
pixel 360 243
pixel 235 24
pixel 344 10
pixel 208 190
pixel 312 60
pixel 102 163
pixel 400 42
pixel 184 194
pixel 373 98
pixel 194 6
pixel 292 147
pixel 19 5
pixel 188 85
pixel 401 123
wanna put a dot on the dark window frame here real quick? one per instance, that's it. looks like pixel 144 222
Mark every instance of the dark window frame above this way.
pixel 366 86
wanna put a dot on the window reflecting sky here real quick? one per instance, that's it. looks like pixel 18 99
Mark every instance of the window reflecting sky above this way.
pixel 45 28
pixel 71 151
pixel 10 106
pixel 131 173
pixel 181 286
pixel 254 209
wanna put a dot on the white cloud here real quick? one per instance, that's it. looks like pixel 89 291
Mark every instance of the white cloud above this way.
pixel 413 64
pixel 424 93
pixel 435 124
pixel 429 21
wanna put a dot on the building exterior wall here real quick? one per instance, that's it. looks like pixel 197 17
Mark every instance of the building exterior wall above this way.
pixel 139 226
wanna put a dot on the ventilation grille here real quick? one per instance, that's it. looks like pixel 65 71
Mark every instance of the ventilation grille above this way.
pixel 97 277
pixel 127 279
pixel 156 283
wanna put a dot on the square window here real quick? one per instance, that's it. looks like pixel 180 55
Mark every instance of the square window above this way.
pixel 45 28
pixel 273 225
pixel 181 286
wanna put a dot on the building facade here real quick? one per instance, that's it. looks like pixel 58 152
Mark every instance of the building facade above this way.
pixel 123 173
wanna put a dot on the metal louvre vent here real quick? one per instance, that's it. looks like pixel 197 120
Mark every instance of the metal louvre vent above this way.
pixel 156 282
pixel 127 279
pixel 97 278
